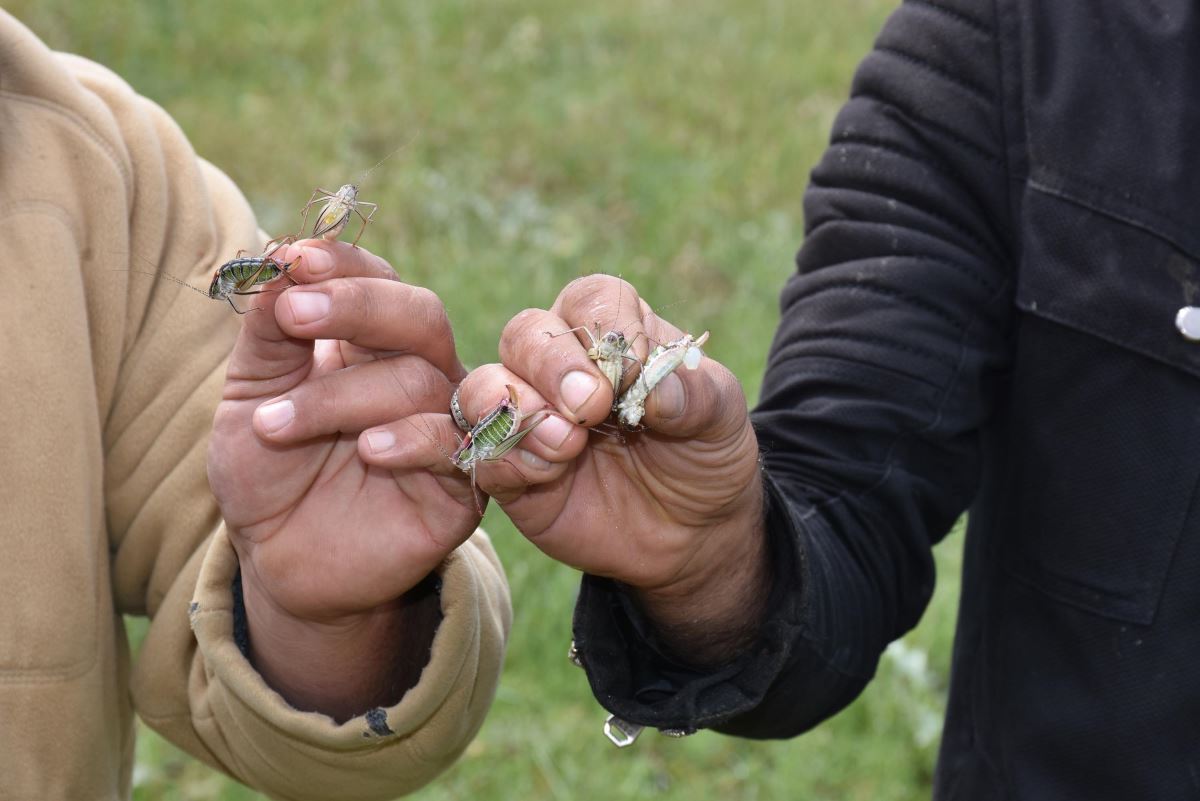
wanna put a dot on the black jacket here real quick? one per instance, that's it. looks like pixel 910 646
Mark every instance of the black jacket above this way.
pixel 998 240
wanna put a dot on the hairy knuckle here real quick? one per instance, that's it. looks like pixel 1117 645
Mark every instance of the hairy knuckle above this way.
pixel 522 321
pixel 348 298
pixel 424 297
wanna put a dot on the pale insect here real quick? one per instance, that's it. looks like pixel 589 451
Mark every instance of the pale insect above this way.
pixel 238 275
pixel 661 362
pixel 338 208
pixel 609 351
pixel 334 215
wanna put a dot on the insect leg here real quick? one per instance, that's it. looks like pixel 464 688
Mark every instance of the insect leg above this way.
pixel 583 328
pixel 317 195
pixel 229 298
pixel 365 220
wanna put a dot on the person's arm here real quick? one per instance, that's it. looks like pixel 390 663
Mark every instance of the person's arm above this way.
pixel 878 384
pixel 880 377
pixel 309 720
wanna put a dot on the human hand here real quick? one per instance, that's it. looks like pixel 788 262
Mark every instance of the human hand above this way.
pixel 328 545
pixel 673 512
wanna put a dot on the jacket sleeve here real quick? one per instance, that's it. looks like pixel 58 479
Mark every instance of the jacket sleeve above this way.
pixel 134 198
pixel 893 332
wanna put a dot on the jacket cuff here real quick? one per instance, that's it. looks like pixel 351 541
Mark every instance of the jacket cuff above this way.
pixel 429 727
pixel 632 675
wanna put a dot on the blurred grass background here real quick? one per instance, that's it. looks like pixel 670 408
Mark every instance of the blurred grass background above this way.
pixel 664 140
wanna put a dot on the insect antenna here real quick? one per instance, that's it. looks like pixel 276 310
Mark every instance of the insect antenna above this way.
pixel 161 275
pixel 362 177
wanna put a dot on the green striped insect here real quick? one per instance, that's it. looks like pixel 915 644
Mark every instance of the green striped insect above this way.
pixel 238 275
pixel 496 433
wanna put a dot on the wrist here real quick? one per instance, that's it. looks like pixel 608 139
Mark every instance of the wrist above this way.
pixel 342 666
pixel 713 611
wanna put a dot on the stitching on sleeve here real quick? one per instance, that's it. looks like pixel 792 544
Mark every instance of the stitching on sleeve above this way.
pixel 81 124
pixel 978 26
pixel 975 90
pixel 936 127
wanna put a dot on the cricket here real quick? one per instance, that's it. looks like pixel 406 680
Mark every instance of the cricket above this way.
pixel 610 352
pixel 340 206
pixel 241 274
pixel 661 362
pixel 334 215
pixel 496 433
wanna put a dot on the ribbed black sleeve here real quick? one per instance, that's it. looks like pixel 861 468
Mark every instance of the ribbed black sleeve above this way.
pixel 878 381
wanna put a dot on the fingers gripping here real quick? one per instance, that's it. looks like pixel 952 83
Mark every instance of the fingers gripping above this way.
pixel 353 398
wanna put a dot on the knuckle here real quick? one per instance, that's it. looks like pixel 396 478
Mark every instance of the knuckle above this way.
pixel 517 340
pixel 312 403
pixel 427 299
pixel 350 299
pixel 584 290
pixel 523 321
pixel 597 296
pixel 427 308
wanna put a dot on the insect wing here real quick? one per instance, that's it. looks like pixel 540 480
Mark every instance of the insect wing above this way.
pixel 331 220
pixel 513 439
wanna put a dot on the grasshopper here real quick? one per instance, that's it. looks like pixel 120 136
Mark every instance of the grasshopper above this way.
pixel 496 433
pixel 609 351
pixel 238 275
pixel 339 206
pixel 334 215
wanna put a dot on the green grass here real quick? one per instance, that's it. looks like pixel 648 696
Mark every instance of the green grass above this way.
pixel 666 141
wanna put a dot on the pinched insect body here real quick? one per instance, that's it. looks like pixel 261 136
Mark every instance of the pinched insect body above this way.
pixel 238 275
pixel 610 352
pixel 661 362
pixel 497 433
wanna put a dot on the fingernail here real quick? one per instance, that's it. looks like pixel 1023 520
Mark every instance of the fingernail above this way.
pixel 276 415
pixel 576 387
pixel 553 431
pixel 669 397
pixel 380 440
pixel 316 261
pixel 533 460
pixel 308 307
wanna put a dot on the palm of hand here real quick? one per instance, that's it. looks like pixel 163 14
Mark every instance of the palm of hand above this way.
pixel 638 509
pixel 329 534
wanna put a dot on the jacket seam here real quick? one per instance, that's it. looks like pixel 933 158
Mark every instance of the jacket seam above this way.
pixel 954 14
pixel 80 124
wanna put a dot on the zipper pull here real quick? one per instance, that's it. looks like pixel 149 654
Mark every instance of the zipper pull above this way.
pixel 622 733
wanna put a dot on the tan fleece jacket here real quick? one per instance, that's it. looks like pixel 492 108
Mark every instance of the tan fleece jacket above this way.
pixel 108 382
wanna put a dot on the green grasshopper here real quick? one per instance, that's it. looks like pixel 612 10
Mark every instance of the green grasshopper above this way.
pixel 240 274
pixel 496 433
